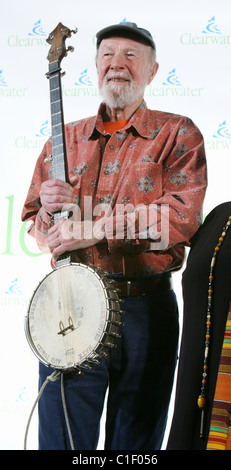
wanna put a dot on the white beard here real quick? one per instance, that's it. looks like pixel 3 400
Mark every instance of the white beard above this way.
pixel 119 97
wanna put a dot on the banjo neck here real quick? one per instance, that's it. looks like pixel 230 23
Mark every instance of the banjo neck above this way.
pixel 59 165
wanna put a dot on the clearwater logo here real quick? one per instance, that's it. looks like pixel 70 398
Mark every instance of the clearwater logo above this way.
pixel 37 30
pixel 36 37
pixel 36 142
pixel 44 130
pixel 211 34
pixel 14 288
pixel 223 131
pixel 2 79
pixel 13 296
pixel 172 86
pixel 84 80
pixel 212 27
pixel 172 79
pixel 221 139
pixel 23 395
pixel 6 91
pixel 84 86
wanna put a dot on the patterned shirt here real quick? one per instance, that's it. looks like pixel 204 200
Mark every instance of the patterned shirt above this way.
pixel 156 159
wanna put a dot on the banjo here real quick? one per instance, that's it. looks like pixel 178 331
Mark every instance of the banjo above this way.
pixel 74 315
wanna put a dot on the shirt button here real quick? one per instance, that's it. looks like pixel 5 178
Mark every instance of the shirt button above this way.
pixel 111 147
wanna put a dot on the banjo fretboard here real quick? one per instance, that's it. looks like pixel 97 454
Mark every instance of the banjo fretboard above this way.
pixel 59 168
pixel 59 162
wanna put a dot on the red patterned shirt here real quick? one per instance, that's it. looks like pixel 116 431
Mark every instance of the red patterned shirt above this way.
pixel 156 158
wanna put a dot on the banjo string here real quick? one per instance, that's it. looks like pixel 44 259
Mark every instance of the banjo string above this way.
pixel 51 378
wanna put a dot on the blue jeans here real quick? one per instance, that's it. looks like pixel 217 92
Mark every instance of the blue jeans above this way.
pixel 139 375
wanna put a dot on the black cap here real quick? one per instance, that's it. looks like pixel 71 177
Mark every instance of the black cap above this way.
pixel 126 29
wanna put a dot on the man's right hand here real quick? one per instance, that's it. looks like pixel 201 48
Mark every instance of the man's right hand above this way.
pixel 56 194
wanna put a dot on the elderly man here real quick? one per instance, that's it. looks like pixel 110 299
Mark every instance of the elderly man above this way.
pixel 126 154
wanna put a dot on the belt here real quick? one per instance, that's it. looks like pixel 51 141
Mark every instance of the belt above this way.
pixel 140 287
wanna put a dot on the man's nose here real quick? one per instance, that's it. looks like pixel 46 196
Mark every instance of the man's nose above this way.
pixel 117 62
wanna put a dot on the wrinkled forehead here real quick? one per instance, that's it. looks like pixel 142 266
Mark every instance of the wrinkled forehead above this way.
pixel 121 43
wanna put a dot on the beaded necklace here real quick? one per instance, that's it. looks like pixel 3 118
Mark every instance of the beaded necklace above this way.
pixel 202 397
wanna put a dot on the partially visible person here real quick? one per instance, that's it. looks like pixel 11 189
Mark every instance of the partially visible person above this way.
pixel 125 155
pixel 202 413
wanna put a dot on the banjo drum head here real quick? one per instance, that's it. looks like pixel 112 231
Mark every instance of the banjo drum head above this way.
pixel 73 318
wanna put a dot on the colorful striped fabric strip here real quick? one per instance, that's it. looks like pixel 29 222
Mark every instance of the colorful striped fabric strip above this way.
pixel 220 425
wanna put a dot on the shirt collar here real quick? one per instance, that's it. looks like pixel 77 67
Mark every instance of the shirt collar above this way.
pixel 139 121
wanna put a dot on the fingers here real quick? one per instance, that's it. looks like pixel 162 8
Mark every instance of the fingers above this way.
pixel 53 263
pixel 54 238
pixel 56 246
pixel 75 181
pixel 59 239
pixel 55 194
pixel 64 237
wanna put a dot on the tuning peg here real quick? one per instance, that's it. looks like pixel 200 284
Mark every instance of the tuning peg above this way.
pixel 70 49
pixel 48 159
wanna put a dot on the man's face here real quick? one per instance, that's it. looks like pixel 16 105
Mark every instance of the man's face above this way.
pixel 125 67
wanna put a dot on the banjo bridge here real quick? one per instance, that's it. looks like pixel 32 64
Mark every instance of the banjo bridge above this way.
pixel 64 331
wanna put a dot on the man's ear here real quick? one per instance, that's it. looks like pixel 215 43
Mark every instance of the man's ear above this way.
pixel 153 72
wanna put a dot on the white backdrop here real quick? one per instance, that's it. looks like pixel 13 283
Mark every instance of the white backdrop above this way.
pixel 193 49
